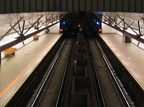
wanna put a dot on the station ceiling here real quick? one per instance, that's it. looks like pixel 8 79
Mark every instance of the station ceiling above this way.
pixel 127 13
pixel 17 6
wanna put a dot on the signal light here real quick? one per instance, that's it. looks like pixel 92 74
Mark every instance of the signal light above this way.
pixel 61 30
pixel 79 25
pixel 100 30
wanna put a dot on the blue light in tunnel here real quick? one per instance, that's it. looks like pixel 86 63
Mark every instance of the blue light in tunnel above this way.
pixel 98 23
pixel 64 22
pixel 99 12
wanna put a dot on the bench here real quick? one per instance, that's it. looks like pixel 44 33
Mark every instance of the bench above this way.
pixel 10 51
pixel 36 37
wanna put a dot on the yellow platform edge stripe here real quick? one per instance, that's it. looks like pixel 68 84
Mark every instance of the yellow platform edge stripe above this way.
pixel 126 68
pixel 26 77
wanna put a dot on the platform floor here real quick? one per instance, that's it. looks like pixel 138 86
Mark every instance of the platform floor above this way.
pixel 129 54
pixel 15 70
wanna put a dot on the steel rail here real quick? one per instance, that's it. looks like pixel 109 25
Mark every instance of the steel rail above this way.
pixel 112 73
pixel 64 77
pixel 48 74
pixel 98 80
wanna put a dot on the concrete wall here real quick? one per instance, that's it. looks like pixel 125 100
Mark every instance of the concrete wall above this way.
pixel 141 45
pixel 55 28
pixel 11 37
pixel 10 19
pixel 107 29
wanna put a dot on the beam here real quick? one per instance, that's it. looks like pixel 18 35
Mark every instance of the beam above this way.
pixel 11 28
pixel 128 25
pixel 2 48
pixel 33 24
pixel 126 33
pixel 139 29
pixel 136 37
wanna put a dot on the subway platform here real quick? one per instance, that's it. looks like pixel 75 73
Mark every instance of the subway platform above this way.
pixel 129 54
pixel 16 69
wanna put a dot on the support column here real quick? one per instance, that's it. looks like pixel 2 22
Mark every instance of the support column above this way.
pixel 126 39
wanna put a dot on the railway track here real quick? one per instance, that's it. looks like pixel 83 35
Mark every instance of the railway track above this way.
pixel 73 78
pixel 82 79
pixel 90 84
pixel 131 87
pixel 110 88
